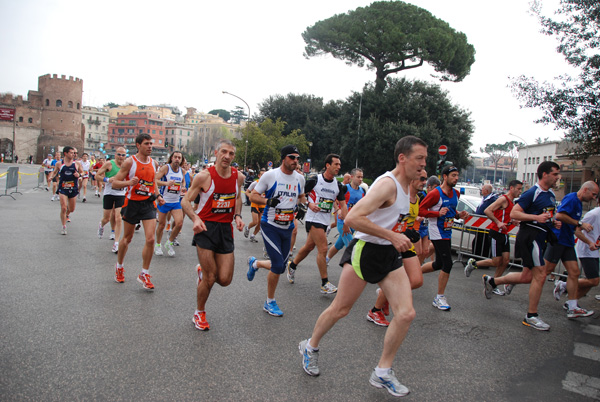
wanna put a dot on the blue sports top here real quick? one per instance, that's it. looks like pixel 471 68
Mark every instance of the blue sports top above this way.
pixel 536 201
pixel 570 205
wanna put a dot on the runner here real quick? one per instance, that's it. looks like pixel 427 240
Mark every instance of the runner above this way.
pixel 426 249
pixel 535 211
pixel 137 173
pixel 499 213
pixel 587 251
pixel 54 180
pixel 410 258
pixel 283 188
pixel 85 165
pixel 98 183
pixel 256 210
pixel 354 192
pixel 170 189
pixel 48 169
pixel 374 257
pixel 569 213
pixel 220 191
pixel 113 198
pixel 68 171
pixel 322 190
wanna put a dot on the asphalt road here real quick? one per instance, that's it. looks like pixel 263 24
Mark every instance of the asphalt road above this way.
pixel 69 332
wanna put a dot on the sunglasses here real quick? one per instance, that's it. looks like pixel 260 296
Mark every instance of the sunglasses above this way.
pixel 422 178
pixel 293 157
pixel 121 154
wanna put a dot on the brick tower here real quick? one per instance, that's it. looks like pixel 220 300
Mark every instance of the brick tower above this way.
pixel 60 123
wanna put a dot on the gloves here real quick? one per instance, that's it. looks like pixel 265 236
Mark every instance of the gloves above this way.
pixel 272 202
pixel 302 208
pixel 412 235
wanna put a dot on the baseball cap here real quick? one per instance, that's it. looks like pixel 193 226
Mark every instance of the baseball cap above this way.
pixel 49 155
pixel 289 149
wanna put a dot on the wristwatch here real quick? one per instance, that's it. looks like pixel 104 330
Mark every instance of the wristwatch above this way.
pixel 579 224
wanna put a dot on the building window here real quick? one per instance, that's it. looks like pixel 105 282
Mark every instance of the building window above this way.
pixel 153 131
pixel 30 120
pixel 141 131
pixel 78 105
pixel 58 103
pixel 47 102
pixel 544 159
pixel 160 141
pixel 538 160
pixel 550 158
pixel 70 105
pixel 21 119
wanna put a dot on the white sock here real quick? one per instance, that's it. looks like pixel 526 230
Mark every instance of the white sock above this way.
pixel 116 243
pixel 572 304
pixel 119 265
pixel 270 300
pixel 381 371
pixel 310 348
pixel 254 265
pixel 198 311
pixel 438 296
pixel 145 271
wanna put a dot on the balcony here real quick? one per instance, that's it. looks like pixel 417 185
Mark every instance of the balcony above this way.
pixel 92 121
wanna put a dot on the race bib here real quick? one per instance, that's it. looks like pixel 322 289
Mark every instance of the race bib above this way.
pixel 174 189
pixel 283 216
pixel 325 204
pixel 223 203
pixel 551 210
pixel 68 184
pixel 448 222
pixel 401 225
pixel 143 188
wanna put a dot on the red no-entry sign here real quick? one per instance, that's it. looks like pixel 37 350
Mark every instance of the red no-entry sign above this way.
pixel 443 150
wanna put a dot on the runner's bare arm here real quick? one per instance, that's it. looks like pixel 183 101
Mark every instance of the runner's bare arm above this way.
pixel 107 167
pixel 119 179
pixel 238 203
pixel 500 203
pixel 381 195
pixel 200 182
pixel 160 174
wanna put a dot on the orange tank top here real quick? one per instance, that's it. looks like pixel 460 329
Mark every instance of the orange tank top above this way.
pixel 145 173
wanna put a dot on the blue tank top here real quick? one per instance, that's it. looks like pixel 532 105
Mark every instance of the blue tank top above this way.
pixel 352 197
pixel 444 223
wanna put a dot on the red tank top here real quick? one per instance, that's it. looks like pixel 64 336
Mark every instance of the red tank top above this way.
pixel 503 215
pixel 217 204
pixel 145 172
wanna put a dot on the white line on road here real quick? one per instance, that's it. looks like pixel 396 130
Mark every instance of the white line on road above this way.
pixel 582 384
pixel 587 351
pixel 592 329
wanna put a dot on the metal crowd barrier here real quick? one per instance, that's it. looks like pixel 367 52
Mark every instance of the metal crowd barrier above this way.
pixel 41 179
pixel 474 242
pixel 12 181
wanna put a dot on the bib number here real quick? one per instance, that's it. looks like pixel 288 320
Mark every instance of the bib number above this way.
pixel 223 203
pixel 325 204
pixel 283 216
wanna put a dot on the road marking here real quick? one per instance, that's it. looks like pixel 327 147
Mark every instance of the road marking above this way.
pixel 587 351
pixel 582 384
pixel 592 329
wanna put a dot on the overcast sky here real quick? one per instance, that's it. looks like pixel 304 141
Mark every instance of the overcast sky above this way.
pixel 185 53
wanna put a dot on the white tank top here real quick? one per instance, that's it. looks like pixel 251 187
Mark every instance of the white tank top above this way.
pixel 172 193
pixel 324 195
pixel 389 217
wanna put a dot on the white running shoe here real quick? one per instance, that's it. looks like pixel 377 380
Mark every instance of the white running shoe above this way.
pixel 112 235
pixel 64 230
pixel 115 248
pixel 170 249
pixel 441 303
pixel 100 230
pixel 328 288
pixel 158 249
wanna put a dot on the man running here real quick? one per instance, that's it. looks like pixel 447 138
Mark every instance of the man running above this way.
pixel 256 209
pixel 499 213
pixel 283 188
pixel 138 174
pixel 220 191
pixel 322 191
pixel 439 206
pixel 67 171
pixel 374 257
pixel 535 211
pixel 354 192
pixel 569 213
pixel 48 169
pixel 85 165
pixel 426 248
pixel 94 171
pixel 113 199
pixel 587 252
pixel 171 187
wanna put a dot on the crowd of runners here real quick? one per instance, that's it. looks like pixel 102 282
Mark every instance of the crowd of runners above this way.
pixel 393 234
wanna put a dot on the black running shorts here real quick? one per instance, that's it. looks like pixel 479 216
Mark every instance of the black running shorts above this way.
pixel 137 211
pixel 113 201
pixel 371 262
pixel 217 237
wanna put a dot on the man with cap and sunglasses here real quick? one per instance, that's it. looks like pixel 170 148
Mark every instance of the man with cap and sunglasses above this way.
pixel 283 188
pixel 439 206
pixel 322 191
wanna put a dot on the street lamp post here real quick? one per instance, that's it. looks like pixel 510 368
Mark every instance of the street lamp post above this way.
pixel 247 122
pixel 526 155
pixel 310 144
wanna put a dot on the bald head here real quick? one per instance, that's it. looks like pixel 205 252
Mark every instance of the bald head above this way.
pixel 486 190
pixel 588 191
pixel 347 178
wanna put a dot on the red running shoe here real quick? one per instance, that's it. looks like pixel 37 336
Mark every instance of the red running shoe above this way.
pixel 144 279
pixel 200 321
pixel 119 275
pixel 378 318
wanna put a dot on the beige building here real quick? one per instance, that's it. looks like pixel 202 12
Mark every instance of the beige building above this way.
pixel 178 136
pixel 96 122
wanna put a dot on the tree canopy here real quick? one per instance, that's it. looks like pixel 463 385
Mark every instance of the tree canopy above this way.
pixel 392 36
pixel 222 113
pixel 238 115
pixel 570 103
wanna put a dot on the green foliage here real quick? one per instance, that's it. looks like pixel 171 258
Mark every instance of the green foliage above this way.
pixel 265 141
pixel 111 105
pixel 570 103
pixel 391 36
pixel 404 108
pixel 238 115
pixel 222 113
